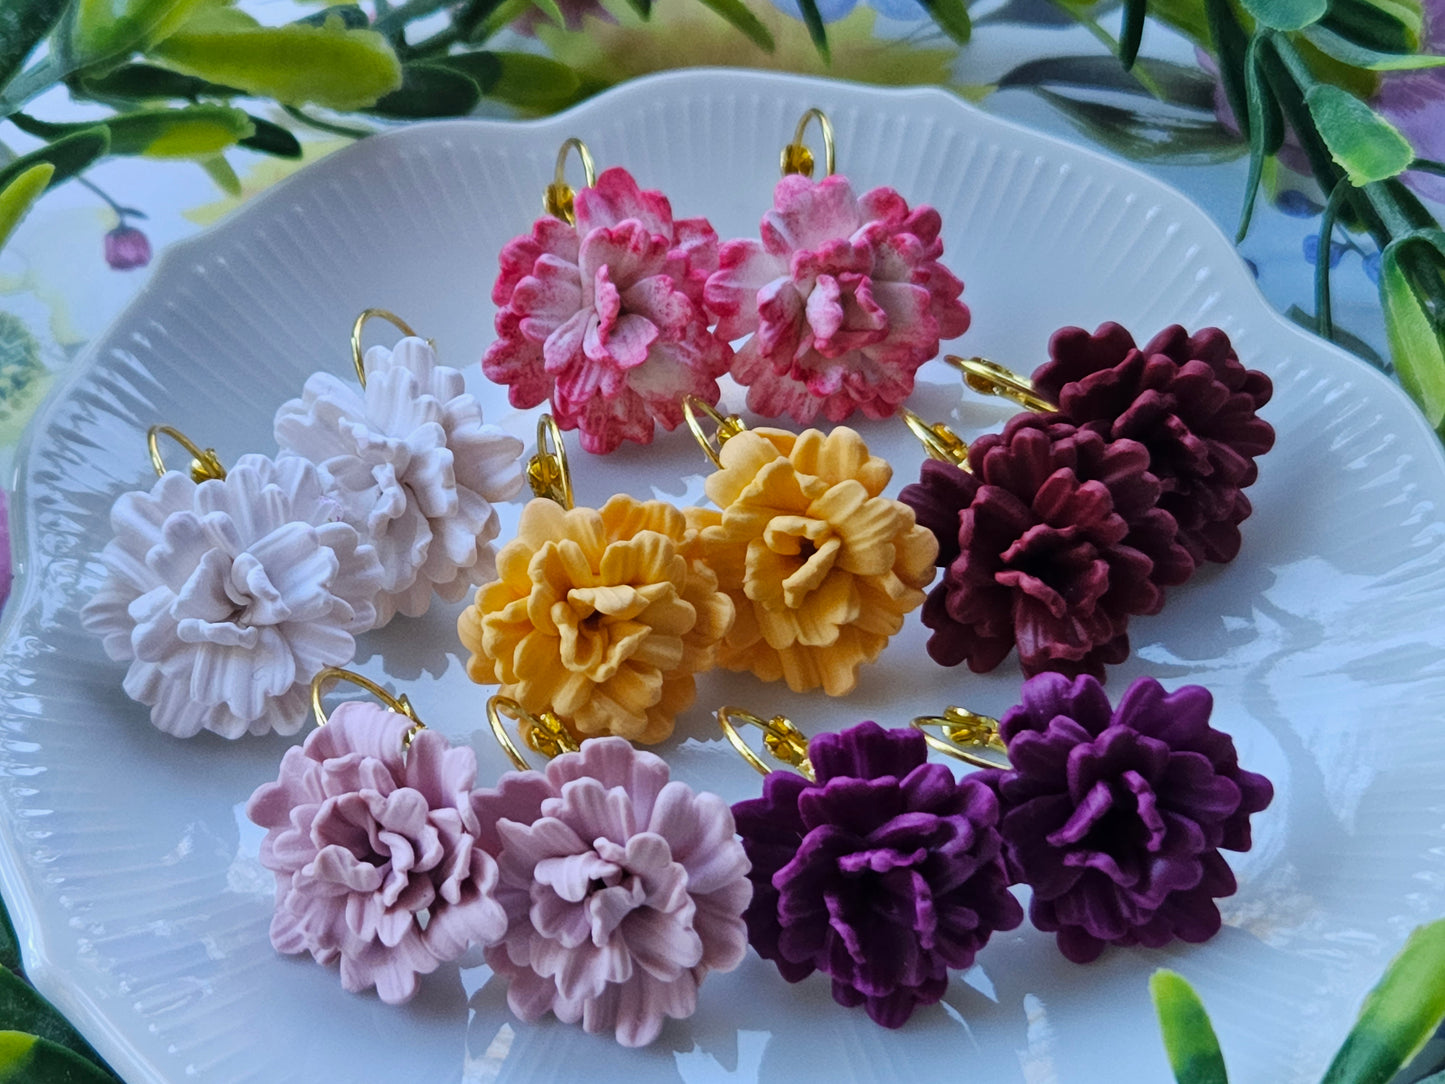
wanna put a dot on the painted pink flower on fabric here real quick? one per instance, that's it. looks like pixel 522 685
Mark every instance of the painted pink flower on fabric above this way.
pixel 606 318
pixel 622 890
pixel 844 298
pixel 375 851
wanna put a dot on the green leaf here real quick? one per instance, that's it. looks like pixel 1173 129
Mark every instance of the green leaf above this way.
pixel 952 18
pixel 19 195
pixel 1151 136
pixel 23 1009
pixel 9 943
pixel 429 90
pixel 1182 85
pixel 1358 56
pixel 554 14
pixel 1408 1002
pixel 1389 26
pixel 480 66
pixel 737 13
pixel 1188 1035
pixel 69 155
pixel 1257 94
pixel 187 132
pixel 270 138
pixel 1286 14
pixel 480 19
pixel 1132 32
pixel 22 24
pixel 1231 45
pixel 147 81
pixel 28 1059
pixel 813 20
pixel 221 174
pixel 534 82
pixel 1340 337
pixel 328 65
pixel 349 15
pixel 94 31
pixel 1364 144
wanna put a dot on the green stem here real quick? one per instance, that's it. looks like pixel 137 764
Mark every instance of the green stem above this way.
pixel 1324 318
pixel 325 126
pixel 121 212
pixel 394 20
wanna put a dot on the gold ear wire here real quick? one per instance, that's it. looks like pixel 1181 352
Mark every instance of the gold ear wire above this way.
pixel 544 734
pixel 399 704
pixel 373 314
pixel 797 158
pixel 939 441
pixel 964 735
pixel 547 471
pixel 559 199
pixel 990 378
pixel 728 427
pixel 204 463
pixel 780 738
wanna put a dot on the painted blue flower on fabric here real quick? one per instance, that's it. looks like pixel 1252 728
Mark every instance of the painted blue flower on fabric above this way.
pixel 833 10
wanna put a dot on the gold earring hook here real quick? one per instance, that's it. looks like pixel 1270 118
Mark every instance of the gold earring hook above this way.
pixel 990 378
pixel 545 734
pixel 797 158
pixel 204 463
pixel 939 441
pixel 727 427
pixel 376 314
pixel 399 704
pixel 559 198
pixel 780 738
pixel 547 471
pixel 962 732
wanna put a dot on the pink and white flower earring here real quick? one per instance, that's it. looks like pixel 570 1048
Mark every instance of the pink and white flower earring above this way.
pixel 411 464
pixel 600 310
pixel 226 591
pixel 844 296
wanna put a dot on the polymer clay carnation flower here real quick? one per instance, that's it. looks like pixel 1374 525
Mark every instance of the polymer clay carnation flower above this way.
pixel 602 617
pixel 1050 542
pixel 375 851
pixel 883 874
pixel 622 890
pixel 1189 401
pixel 1115 816
pixel 820 566
pixel 844 297
pixel 228 596
pixel 606 317
pixel 412 466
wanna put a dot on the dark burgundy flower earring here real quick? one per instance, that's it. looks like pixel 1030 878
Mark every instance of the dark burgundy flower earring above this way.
pixel 1113 816
pixel 1186 397
pixel 1051 537
pixel 869 864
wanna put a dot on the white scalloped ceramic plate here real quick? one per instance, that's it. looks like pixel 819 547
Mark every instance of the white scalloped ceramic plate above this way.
pixel 131 872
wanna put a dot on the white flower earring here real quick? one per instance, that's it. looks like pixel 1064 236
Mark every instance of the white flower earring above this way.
pixel 410 463
pixel 226 591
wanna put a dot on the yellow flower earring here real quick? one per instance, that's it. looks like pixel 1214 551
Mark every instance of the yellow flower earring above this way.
pixel 601 616
pixel 820 566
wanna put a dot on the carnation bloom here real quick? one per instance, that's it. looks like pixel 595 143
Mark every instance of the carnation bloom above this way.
pixel 227 597
pixel 883 874
pixel 622 890
pixel 600 616
pixel 606 317
pixel 1052 541
pixel 844 298
pixel 820 566
pixel 1189 401
pixel 412 466
pixel 375 851
pixel 1115 816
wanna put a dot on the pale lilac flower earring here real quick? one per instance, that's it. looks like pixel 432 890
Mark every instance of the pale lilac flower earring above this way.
pixel 371 833
pixel 412 466
pixel 844 296
pixel 226 591
pixel 622 888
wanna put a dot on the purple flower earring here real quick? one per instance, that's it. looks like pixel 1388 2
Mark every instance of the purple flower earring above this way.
pixel 1113 816
pixel 869 864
